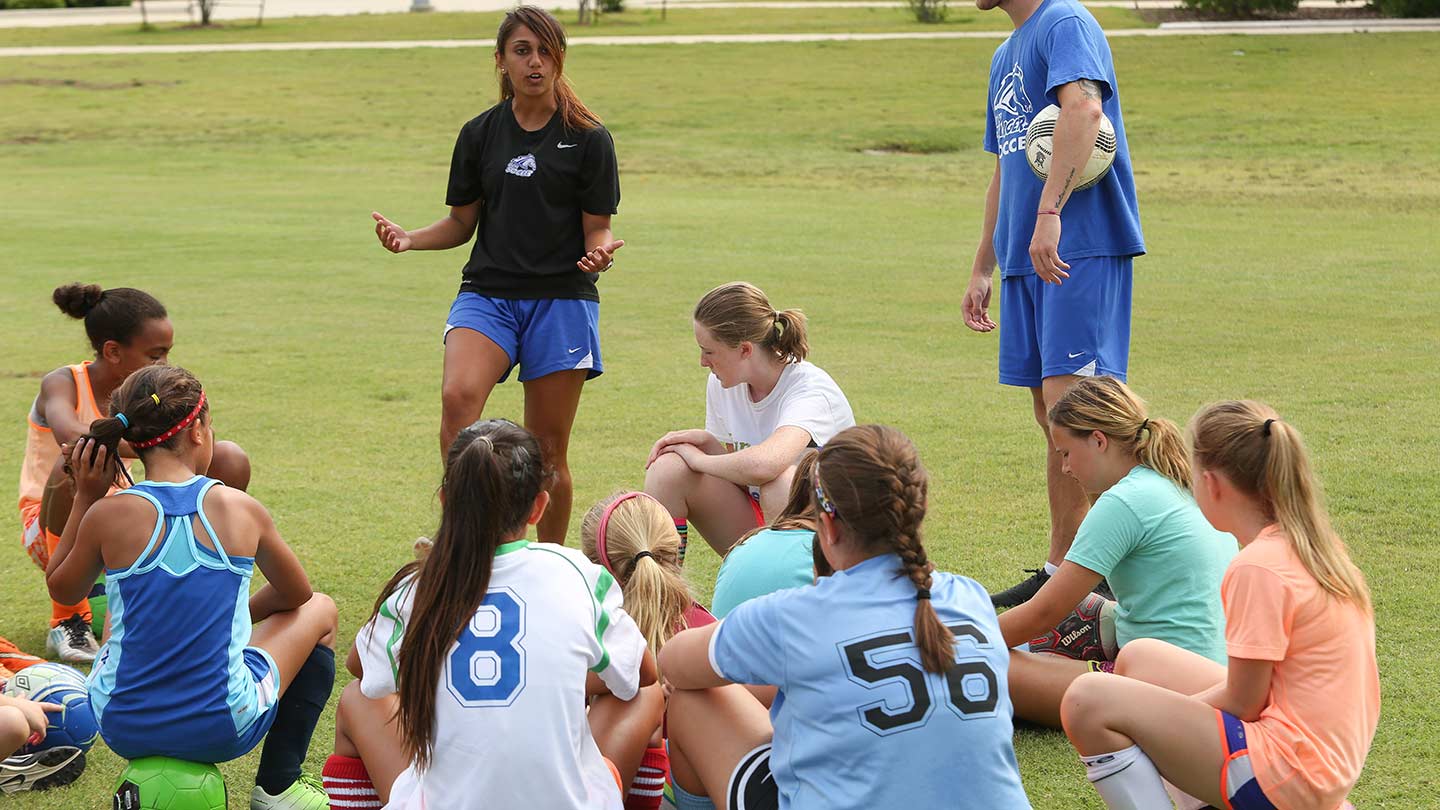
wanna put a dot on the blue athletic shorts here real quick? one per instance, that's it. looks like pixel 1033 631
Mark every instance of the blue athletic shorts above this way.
pixel 1080 327
pixel 218 744
pixel 1237 776
pixel 541 336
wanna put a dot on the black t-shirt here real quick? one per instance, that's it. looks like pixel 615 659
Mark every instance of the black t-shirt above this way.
pixel 533 187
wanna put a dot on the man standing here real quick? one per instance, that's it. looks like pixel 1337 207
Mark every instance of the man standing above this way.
pixel 1065 299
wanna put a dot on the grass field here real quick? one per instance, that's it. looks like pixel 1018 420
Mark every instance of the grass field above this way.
pixel 453 25
pixel 1288 189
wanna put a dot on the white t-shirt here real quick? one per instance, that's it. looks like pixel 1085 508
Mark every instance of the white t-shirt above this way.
pixel 804 397
pixel 511 728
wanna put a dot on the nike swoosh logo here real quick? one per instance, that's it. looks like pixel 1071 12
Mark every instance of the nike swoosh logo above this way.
pixel 576 349
pixel 1075 355
pixel 566 145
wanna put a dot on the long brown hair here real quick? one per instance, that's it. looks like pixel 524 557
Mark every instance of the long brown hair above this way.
pixel 656 593
pixel 798 514
pixel 493 474
pixel 738 312
pixel 872 479
pixel 1265 457
pixel 1109 406
pixel 573 112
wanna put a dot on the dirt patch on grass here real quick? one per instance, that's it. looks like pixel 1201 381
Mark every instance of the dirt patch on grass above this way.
pixel 1164 15
pixel 909 148
pixel 80 84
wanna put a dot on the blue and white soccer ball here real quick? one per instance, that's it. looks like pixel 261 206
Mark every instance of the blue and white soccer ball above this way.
pixel 64 686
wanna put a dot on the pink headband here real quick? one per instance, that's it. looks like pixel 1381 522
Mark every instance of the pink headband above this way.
pixel 605 524
pixel 184 423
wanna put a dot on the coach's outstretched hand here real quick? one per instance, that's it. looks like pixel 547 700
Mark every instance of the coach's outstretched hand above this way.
pixel 395 238
pixel 599 259
pixel 1045 250
pixel 976 305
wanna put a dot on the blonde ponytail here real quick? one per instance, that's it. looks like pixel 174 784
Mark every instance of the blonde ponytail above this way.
pixel 1266 459
pixel 642 552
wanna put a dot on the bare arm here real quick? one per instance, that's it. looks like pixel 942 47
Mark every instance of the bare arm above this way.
pixel 686 659
pixel 755 465
pixel 976 305
pixel 1075 132
pixel 600 243
pixel 58 400
pixel 77 561
pixel 286 585
pixel 447 232
pixel 1055 600
pixel 1246 689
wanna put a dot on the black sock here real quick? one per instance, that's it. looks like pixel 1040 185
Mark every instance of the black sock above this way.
pixel 299 711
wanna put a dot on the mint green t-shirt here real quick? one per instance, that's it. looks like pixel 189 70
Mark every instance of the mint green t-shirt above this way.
pixel 769 561
pixel 1163 559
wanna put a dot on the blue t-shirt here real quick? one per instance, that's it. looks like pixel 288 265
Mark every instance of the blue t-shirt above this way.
pixel 1059 44
pixel 858 722
pixel 771 560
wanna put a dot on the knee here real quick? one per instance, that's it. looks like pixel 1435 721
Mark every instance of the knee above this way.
pixel 230 465
pixel 1082 707
pixel 326 616
pixel 649 704
pixel 667 472
pixel 1134 653
pixel 459 400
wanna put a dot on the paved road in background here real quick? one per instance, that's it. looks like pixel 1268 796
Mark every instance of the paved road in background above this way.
pixel 237 10
pixel 1168 29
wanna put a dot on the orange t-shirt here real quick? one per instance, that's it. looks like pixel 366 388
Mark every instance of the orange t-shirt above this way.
pixel 1310 742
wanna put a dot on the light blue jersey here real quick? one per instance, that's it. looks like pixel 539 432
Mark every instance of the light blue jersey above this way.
pixel 176 677
pixel 858 722
pixel 1060 43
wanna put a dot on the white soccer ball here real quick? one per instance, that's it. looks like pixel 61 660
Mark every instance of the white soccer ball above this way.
pixel 1040 147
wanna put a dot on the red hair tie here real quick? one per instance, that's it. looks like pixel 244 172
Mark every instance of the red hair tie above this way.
pixel 605 525
pixel 184 423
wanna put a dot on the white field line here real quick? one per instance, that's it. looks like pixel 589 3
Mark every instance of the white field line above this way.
pixel 1169 29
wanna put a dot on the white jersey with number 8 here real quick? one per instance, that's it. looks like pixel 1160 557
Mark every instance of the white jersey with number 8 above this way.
pixel 511 728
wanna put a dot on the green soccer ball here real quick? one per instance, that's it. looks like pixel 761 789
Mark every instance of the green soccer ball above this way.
pixel 162 783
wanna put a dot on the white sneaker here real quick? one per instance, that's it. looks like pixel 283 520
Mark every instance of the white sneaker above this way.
pixel 52 767
pixel 307 793
pixel 72 641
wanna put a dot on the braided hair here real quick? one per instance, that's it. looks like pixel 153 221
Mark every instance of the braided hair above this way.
pixel 874 485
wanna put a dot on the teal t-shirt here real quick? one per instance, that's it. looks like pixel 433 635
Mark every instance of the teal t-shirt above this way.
pixel 1163 559
pixel 769 561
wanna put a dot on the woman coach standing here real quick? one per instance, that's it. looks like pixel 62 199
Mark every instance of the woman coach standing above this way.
pixel 537 174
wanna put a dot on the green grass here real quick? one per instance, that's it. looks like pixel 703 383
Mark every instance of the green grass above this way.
pixel 458 25
pixel 1288 192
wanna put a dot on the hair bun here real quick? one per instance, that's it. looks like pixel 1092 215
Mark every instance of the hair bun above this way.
pixel 76 300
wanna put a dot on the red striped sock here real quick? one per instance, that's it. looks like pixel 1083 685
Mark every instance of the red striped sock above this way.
pixel 348 784
pixel 648 786
pixel 683 529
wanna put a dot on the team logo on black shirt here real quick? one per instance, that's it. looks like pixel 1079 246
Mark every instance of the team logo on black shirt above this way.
pixel 522 166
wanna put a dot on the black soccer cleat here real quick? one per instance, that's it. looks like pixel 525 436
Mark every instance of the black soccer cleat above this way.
pixel 1022 592
pixel 43 770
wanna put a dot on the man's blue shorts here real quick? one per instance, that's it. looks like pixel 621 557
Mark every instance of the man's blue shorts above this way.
pixel 1080 327
pixel 542 336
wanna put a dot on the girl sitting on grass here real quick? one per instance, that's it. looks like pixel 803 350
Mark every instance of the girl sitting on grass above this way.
pixel 476 665
pixel 1287 724
pixel 195 668
pixel 915 695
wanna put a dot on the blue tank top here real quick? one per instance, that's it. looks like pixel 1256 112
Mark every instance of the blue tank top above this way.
pixel 173 668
